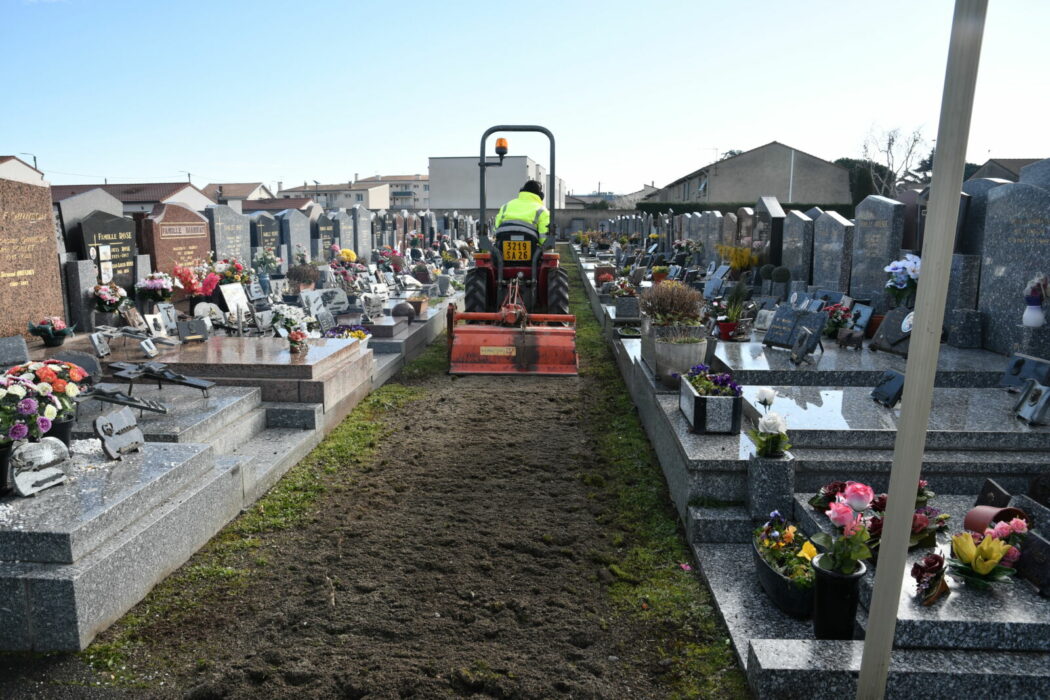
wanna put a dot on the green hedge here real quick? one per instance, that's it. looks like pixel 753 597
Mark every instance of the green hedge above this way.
pixel 689 207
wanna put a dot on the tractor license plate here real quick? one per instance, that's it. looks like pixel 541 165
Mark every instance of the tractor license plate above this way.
pixel 517 251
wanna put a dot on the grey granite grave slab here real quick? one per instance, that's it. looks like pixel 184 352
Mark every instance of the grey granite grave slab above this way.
pixel 970 240
pixel 797 250
pixel 295 234
pixel 832 251
pixel 230 233
pixel 13 351
pixel 877 237
pixel 977 419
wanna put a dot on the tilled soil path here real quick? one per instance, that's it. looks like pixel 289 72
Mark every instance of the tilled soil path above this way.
pixel 477 549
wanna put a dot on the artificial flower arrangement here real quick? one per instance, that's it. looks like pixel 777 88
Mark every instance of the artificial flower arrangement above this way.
pixel 157 286
pixel 52 330
pixel 299 255
pixel 928 573
pixel 415 239
pixel 983 559
pixel 844 553
pixel 56 381
pixel 197 279
pixel 291 317
pixel 109 297
pixel 623 288
pixel 770 436
pixel 348 332
pixel 27 407
pixel 653 236
pixel 231 271
pixel 903 277
pixel 687 245
pixel 839 316
pixel 297 341
pixel 604 278
pixel 346 270
pixel 709 383
pixel 267 262
pixel 784 548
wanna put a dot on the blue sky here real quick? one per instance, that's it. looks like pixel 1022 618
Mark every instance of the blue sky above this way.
pixel 635 92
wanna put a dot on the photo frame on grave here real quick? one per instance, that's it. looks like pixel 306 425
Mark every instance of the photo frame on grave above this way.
pixel 992 494
pixel 1022 367
pixel 157 327
pixel 133 318
pixel 194 330
pixel 829 296
pixel 711 267
pixel 149 348
pixel 105 272
pixel 254 291
pixel 235 298
pixel 889 389
pixel 798 300
pixel 335 300
pixel 281 331
pixel 1033 403
pixel 861 316
pixel 312 302
pixel 713 288
pixel 278 287
pixel 170 314
pixel 801 349
pixel 1034 564
pixel 763 319
pixel 325 320
pixel 99 344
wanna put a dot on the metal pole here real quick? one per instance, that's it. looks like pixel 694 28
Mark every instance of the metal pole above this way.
pixel 964 53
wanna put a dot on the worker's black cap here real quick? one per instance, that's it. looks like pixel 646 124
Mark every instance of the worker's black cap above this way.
pixel 534 187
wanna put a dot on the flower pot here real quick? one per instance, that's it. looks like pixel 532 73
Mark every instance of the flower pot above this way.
pixel 659 277
pixel 264 282
pixel 726 329
pixel 710 414
pixel 873 325
pixel 420 307
pixel 62 429
pixel 53 341
pixel 6 482
pixel 789 598
pixel 628 332
pixel 1033 316
pixel 297 347
pixel 626 307
pixel 835 599
pixel 676 358
pixel 980 518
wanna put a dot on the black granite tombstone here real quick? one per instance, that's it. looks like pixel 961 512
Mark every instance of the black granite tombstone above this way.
pixel 1034 564
pixel 890 388
pixel 787 323
pixel 894 335
pixel 993 494
pixel 109 242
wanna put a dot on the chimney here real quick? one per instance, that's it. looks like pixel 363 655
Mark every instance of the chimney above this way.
pixel 280 186
pixel 355 177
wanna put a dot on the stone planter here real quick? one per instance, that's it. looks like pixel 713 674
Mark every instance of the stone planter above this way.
pixel 674 359
pixel 790 599
pixel 650 332
pixel 626 307
pixel 710 414
pixel 770 485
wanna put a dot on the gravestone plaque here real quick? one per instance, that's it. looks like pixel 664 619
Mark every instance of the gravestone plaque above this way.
pixel 713 288
pixel 312 301
pixel 894 335
pixel 787 323
pixel 877 238
pixel 889 389
pixel 230 233
pixel 729 228
pixel 797 251
pixel 193 330
pixel 832 251
pixel 1016 241
pixel 109 242
pixel 861 316
pixel 342 229
pixel 769 228
pixel 1034 564
pixel 264 230
pixel 13 351
pixel 235 298
pixel 1033 403
pixel 722 271
pixel 295 234
pixel 806 342
pixel 829 296
pixel 100 344
pixel 119 433
pixel 174 235
pixel 322 235
pixel 798 300
pixel 745 217
pixel 765 302
pixel 1021 368
pixel 30 281
pixel 992 494
pixel 72 210
pixel 335 300
pixel 815 305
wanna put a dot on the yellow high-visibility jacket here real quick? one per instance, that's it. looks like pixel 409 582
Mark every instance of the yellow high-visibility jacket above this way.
pixel 529 208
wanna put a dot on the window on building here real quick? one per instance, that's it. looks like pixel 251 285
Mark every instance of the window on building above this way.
pixel 360 198
pixel 426 188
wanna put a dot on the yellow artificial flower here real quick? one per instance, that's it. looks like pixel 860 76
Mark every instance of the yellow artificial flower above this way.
pixel 964 548
pixel 789 534
pixel 989 552
pixel 808 551
pixel 348 255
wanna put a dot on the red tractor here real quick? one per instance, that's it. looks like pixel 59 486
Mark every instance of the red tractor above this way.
pixel 516 296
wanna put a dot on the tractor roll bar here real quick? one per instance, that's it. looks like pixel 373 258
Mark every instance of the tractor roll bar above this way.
pixel 550 180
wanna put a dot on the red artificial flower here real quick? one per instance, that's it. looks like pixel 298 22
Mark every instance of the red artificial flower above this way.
pixel 46 374
pixel 75 373
pixel 59 385
pixel 238 267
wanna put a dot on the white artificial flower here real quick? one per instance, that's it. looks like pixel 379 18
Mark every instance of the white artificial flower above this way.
pixel 34 366
pixel 766 396
pixel 50 412
pixel 72 390
pixel 3 393
pixel 17 390
pixel 772 423
pixel 43 388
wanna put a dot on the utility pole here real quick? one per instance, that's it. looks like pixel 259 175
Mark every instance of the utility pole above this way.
pixel 34 159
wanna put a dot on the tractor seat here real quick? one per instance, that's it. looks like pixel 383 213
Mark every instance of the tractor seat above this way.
pixel 511 228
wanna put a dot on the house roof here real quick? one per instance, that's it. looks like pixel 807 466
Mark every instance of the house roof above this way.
pixel 128 193
pixel 726 160
pixel 276 204
pixel 4 159
pixel 341 187
pixel 395 178
pixel 1014 165
pixel 231 190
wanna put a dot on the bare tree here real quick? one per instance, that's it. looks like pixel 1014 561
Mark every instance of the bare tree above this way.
pixel 890 154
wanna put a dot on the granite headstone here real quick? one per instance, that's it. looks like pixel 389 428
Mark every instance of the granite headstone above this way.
pixel 797 251
pixel 230 233
pixel 108 241
pixel 832 251
pixel 174 235
pixel 295 235
pixel 877 237
pixel 769 229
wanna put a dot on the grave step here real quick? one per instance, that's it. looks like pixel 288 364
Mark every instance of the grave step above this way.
pixel 269 455
pixel 235 434
pixel 719 525
pixel 386 366
pixel 302 416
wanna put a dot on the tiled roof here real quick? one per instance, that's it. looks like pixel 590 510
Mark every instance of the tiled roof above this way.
pixel 1014 165
pixel 395 178
pixel 127 193
pixel 231 190
pixel 276 204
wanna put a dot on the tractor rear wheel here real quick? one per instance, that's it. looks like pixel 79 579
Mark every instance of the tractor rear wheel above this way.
pixel 557 291
pixel 476 291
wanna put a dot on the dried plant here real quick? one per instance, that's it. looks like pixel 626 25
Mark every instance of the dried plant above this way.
pixel 672 303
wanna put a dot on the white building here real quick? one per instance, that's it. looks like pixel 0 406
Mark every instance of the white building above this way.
pixel 454 182
pixel 406 191
pixel 369 194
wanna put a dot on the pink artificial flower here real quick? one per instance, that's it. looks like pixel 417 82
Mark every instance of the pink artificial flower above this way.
pixel 1002 530
pixel 857 495
pixel 853 527
pixel 1011 557
pixel 977 537
pixel 1019 526
pixel 839 513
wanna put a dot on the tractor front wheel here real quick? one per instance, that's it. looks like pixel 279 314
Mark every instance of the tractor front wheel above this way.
pixel 476 291
pixel 557 291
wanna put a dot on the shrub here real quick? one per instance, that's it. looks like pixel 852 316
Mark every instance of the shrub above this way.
pixel 671 303
pixel 303 274
pixel 782 275
pixel 766 271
